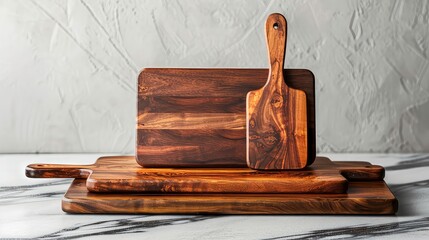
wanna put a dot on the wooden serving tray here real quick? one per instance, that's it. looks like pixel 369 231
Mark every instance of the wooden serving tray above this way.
pixel 123 174
pixel 197 117
pixel 362 198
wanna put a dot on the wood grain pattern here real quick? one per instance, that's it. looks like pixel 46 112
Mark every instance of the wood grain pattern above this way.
pixel 169 137
pixel 123 174
pixel 361 198
pixel 197 82
pixel 221 156
pixel 191 121
pixel 206 109
pixel 276 113
pixel 153 141
pixel 179 104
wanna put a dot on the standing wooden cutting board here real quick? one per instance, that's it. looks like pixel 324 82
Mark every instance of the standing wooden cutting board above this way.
pixel 276 113
pixel 197 117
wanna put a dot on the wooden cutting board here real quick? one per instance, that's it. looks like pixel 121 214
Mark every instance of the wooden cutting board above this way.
pixel 197 117
pixel 362 198
pixel 123 174
pixel 276 113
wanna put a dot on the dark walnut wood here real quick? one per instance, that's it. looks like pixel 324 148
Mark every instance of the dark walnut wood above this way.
pixel 361 198
pixel 276 113
pixel 197 117
pixel 123 174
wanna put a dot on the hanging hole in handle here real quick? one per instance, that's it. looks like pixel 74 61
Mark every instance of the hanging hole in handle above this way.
pixel 276 26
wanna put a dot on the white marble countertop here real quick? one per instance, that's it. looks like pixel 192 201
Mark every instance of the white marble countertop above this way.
pixel 31 208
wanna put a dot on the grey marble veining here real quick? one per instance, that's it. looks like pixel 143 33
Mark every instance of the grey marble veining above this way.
pixel 31 208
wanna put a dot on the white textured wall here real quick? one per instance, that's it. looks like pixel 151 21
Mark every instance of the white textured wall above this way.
pixel 68 68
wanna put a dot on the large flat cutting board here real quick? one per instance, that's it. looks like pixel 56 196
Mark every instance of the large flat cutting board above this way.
pixel 123 174
pixel 197 117
pixel 361 198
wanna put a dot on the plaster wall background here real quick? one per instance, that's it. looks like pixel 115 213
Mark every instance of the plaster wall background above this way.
pixel 68 68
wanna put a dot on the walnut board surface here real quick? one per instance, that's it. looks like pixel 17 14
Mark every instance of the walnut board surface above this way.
pixel 197 117
pixel 362 198
pixel 276 113
pixel 123 174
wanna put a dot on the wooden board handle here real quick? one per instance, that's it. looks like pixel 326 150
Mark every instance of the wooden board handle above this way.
pixel 276 34
pixel 58 171
pixel 360 171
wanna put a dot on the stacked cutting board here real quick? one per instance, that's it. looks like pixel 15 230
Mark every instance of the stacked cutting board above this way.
pixel 225 141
